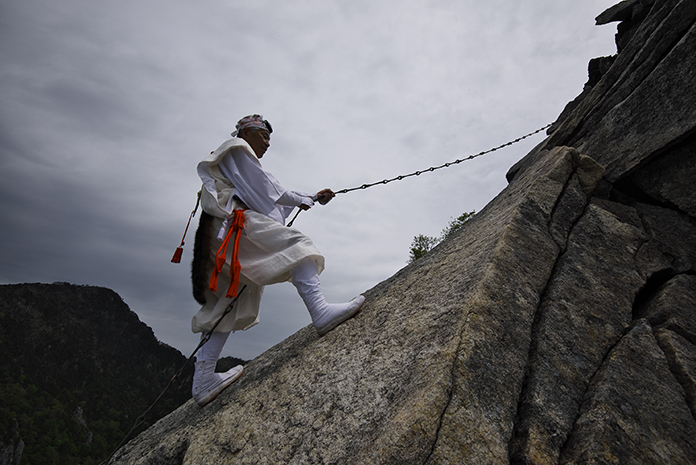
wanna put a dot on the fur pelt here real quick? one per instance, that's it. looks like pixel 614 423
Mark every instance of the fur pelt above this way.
pixel 203 261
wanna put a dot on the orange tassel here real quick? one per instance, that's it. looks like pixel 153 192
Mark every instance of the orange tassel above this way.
pixel 180 250
pixel 177 254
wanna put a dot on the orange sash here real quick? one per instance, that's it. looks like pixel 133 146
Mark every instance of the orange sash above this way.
pixel 235 268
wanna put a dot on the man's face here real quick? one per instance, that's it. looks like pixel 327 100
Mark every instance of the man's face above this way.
pixel 259 140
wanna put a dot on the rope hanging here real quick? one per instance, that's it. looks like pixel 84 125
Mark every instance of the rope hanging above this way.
pixel 141 419
pixel 432 168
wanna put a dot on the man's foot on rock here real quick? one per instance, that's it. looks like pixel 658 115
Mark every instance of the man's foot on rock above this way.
pixel 207 389
pixel 335 314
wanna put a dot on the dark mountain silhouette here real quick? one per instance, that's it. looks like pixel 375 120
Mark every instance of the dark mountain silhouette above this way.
pixel 78 367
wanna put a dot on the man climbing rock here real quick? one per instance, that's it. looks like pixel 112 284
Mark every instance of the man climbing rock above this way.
pixel 242 240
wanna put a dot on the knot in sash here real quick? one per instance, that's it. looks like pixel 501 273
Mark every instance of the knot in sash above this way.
pixel 235 268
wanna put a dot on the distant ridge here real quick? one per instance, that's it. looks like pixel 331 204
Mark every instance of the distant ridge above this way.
pixel 77 368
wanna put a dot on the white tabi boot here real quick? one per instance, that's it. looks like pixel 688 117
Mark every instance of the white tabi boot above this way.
pixel 207 384
pixel 325 316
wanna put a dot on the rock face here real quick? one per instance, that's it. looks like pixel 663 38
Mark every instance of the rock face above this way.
pixel 557 326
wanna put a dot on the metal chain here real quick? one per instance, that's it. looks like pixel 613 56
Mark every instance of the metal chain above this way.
pixel 432 168
pixel 446 165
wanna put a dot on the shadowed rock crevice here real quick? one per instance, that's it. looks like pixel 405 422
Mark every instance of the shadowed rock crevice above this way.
pixel 173 454
pixel 583 314
pixel 591 378
pixel 626 191
pixel 449 394
pixel 572 202
pixel 612 419
pixel 679 354
pixel 652 286
pixel 671 305
pixel 665 180
pixel 665 296
pixel 570 207
pixel 670 311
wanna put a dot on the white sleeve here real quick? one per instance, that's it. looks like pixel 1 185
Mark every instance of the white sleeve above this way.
pixel 254 187
pixel 295 199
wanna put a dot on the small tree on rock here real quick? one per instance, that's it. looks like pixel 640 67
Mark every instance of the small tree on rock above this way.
pixel 422 244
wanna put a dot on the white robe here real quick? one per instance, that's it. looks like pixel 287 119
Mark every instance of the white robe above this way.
pixel 268 250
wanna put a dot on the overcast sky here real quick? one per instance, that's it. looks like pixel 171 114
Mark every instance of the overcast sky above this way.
pixel 107 107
